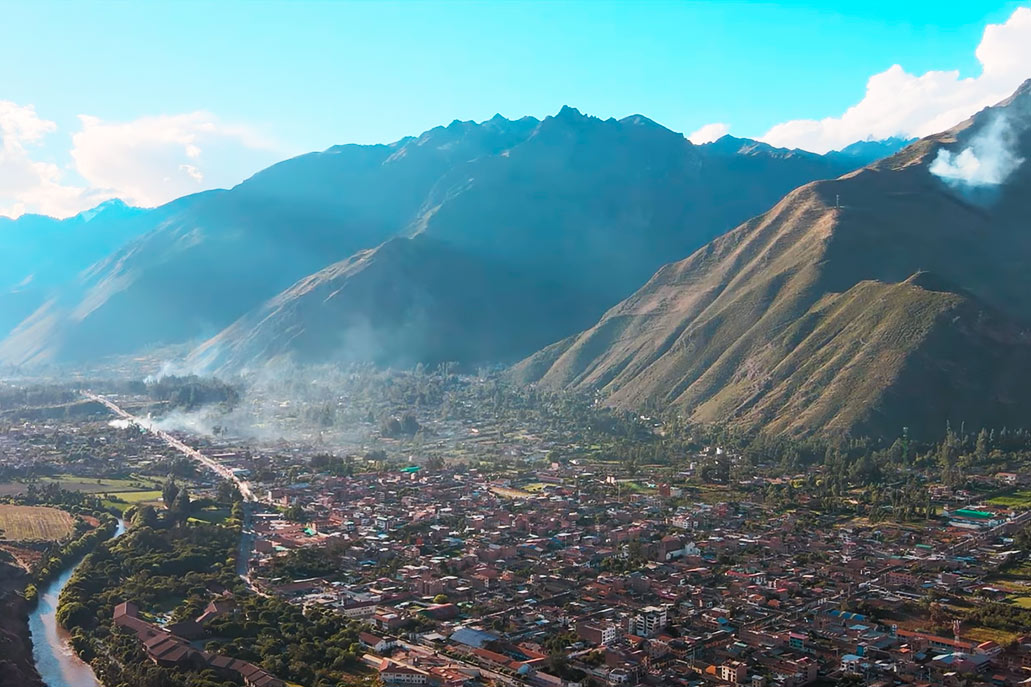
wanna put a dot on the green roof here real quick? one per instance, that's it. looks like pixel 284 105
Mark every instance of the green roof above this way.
pixel 970 513
pixel 411 468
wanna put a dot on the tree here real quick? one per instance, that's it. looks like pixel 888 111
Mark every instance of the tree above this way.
pixel 296 513
pixel 981 447
pixel 145 516
pixel 180 509
pixel 440 599
pixel 169 492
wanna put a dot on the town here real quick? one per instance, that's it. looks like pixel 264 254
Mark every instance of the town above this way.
pixel 548 567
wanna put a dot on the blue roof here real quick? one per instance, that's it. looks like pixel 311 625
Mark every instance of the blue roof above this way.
pixel 471 637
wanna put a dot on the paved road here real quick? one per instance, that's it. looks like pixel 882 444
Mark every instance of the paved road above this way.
pixel 246 531
pixel 188 451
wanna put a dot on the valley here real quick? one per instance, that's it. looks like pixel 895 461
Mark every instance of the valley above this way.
pixel 549 398
pixel 442 551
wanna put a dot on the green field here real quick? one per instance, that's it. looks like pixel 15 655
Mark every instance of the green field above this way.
pixel 25 523
pixel 123 499
pixel 985 634
pixel 86 484
pixel 1018 499
pixel 535 487
pixel 1022 601
pixel 215 516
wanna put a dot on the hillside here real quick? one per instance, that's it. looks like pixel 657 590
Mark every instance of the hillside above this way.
pixel 582 210
pixel 201 261
pixel 42 253
pixel 882 299
pixel 587 206
pixel 403 302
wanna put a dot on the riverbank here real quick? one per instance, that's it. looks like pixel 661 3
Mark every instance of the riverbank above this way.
pixel 55 660
pixel 17 666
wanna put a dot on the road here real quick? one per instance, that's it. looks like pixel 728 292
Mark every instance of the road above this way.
pixel 246 531
pixel 188 451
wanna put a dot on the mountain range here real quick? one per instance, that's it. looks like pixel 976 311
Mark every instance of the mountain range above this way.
pixel 898 295
pixel 41 252
pixel 475 242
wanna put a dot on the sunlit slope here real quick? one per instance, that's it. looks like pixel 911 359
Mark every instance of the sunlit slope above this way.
pixel 881 299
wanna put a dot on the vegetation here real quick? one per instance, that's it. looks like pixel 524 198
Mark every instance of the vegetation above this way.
pixel 192 391
pixel 166 565
pixel 307 562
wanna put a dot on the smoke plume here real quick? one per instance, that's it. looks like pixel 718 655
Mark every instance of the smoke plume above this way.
pixel 987 160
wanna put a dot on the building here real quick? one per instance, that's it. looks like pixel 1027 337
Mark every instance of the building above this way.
pixel 733 671
pixel 603 634
pixel 396 674
pixel 375 642
pixel 648 621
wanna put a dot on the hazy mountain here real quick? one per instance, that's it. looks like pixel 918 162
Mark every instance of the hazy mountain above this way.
pixel 582 210
pixel 871 151
pixel 588 207
pixel 208 258
pixel 908 304
pixel 403 302
pixel 41 253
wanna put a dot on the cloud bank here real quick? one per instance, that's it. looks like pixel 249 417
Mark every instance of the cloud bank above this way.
pixel 146 161
pixel 898 103
pixel 709 133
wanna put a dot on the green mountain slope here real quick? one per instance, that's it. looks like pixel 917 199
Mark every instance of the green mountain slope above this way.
pixel 819 316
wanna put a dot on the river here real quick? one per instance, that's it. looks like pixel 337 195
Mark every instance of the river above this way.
pixel 55 660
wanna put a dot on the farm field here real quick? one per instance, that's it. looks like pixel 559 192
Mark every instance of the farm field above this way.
pixel 214 516
pixel 123 499
pixel 1018 499
pixel 24 523
pixel 86 484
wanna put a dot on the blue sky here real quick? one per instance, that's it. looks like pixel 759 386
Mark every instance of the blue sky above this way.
pixel 234 85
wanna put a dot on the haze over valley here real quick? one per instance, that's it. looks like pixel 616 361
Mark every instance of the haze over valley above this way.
pixel 705 361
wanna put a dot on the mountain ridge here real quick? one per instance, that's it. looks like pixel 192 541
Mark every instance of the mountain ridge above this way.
pixel 714 334
pixel 538 203
pixel 555 197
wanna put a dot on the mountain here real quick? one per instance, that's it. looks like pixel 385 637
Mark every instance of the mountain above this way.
pixel 205 259
pixel 586 206
pixel 892 296
pixel 871 151
pixel 41 252
pixel 582 211
pixel 406 301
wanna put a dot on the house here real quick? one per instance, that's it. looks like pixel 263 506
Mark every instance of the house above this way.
pixel 375 642
pixel 126 615
pixel 393 673
pixel 169 651
pixel 250 674
pixel 733 671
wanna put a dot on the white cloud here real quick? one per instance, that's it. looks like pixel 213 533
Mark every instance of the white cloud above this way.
pixel 152 160
pixel 709 133
pixel 146 161
pixel 898 103
pixel 26 183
